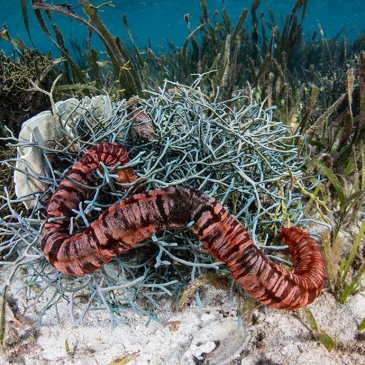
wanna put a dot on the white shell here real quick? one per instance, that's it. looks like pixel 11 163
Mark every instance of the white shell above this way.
pixel 43 130
pixel 217 343
pixel 38 130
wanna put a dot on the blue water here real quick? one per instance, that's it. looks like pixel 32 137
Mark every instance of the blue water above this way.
pixel 160 20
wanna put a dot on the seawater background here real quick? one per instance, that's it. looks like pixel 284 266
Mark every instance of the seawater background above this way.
pixel 162 20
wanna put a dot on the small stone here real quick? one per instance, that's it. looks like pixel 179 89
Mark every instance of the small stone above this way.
pixel 205 348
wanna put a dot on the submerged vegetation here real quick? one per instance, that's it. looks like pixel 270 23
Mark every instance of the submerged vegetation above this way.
pixel 316 84
pixel 241 156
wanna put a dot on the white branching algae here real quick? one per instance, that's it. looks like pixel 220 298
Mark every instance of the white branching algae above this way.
pixel 235 152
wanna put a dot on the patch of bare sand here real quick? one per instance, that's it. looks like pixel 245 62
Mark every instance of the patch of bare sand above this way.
pixel 273 337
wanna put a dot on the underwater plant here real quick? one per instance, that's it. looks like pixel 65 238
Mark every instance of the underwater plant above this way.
pixel 17 101
pixel 264 58
pixel 240 155
pixel 342 142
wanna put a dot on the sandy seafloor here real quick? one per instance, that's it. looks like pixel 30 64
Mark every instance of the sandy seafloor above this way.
pixel 271 336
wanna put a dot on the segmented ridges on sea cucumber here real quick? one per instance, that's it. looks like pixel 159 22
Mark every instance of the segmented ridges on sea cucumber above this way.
pixel 137 217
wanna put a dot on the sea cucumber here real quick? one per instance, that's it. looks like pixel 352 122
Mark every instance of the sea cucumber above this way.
pixel 141 215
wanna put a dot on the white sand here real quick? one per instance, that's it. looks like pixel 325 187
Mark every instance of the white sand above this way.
pixel 273 337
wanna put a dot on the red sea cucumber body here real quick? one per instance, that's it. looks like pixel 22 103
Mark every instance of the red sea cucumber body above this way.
pixel 141 215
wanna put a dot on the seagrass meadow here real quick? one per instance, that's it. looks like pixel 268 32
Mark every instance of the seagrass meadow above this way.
pixel 266 120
